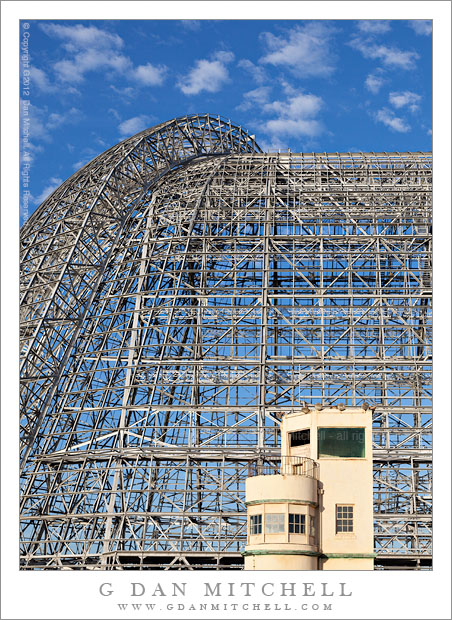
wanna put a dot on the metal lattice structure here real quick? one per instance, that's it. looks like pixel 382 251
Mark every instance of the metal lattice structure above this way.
pixel 179 294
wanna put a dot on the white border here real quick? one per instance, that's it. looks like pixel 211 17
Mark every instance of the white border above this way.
pixel 375 595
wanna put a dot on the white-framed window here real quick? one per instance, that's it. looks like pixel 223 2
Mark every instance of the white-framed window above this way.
pixel 274 523
pixel 297 523
pixel 255 524
pixel 344 518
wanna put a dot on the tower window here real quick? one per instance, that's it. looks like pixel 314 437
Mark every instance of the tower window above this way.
pixel 296 523
pixel 341 442
pixel 256 524
pixel 274 523
pixel 300 438
pixel 344 518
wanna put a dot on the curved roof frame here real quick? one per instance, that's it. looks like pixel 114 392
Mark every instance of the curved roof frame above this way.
pixel 68 241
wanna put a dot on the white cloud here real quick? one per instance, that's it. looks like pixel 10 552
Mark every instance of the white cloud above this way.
pixel 149 75
pixel 290 127
pixel 28 152
pixel 374 26
pixel 115 113
pixel 38 129
pixel 294 116
pixel 53 184
pixel 92 49
pixel 79 164
pixel 273 145
pixel 56 120
pixel 99 140
pixel 374 83
pixel 258 96
pixel 190 24
pixel 133 125
pixel 127 91
pixel 208 75
pixel 87 155
pixel 257 73
pixel 421 26
pixel 40 80
pixel 80 37
pixel 304 50
pixel 390 56
pixel 42 123
pixel 295 107
pixel 90 60
pixel 406 98
pixel 388 118
pixel 223 56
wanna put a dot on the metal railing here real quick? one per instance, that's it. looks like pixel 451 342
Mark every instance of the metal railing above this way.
pixel 286 466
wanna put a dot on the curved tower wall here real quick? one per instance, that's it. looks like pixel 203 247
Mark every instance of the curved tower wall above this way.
pixel 283 495
pixel 181 293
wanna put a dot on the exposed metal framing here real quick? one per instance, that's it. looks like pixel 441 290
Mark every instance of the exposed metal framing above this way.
pixel 180 293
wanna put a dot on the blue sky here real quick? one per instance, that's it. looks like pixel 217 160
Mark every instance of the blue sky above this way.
pixel 339 85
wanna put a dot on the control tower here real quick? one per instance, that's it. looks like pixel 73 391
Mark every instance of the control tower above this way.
pixel 316 514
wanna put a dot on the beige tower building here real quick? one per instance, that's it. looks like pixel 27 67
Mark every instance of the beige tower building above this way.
pixel 316 514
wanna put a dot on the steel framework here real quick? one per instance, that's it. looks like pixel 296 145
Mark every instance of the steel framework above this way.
pixel 179 294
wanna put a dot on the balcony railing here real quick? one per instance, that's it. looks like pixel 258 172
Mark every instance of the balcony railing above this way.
pixel 285 466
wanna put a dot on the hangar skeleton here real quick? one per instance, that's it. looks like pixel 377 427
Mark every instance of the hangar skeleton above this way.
pixel 179 294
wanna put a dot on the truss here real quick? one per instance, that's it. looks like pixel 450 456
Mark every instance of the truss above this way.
pixel 183 291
